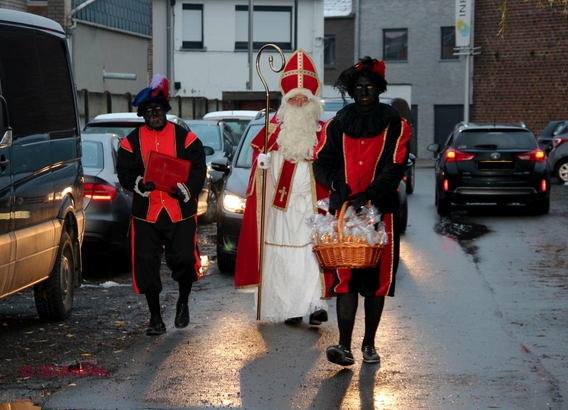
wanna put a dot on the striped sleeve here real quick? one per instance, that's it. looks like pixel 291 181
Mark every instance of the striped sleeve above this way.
pixel 402 143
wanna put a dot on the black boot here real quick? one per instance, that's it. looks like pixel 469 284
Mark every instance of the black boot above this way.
pixel 156 326
pixel 318 317
pixel 182 315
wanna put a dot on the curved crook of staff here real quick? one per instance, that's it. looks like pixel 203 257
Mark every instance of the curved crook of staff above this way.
pixel 266 133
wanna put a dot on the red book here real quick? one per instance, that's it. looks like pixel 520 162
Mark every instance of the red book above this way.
pixel 166 171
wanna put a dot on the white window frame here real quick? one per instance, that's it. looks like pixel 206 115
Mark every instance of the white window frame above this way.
pixel 271 24
pixel 192 27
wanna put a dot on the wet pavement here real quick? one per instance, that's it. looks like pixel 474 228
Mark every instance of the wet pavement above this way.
pixel 480 320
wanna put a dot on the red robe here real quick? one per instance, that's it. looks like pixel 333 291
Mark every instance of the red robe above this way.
pixel 247 273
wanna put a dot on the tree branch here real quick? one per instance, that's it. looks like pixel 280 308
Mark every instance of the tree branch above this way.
pixel 540 3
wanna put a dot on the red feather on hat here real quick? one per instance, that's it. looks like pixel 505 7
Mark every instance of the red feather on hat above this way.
pixel 160 84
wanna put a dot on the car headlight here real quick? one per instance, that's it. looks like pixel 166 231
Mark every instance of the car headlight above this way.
pixel 234 203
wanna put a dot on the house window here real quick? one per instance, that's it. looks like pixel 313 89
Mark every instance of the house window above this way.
pixel 395 44
pixel 329 52
pixel 272 24
pixel 192 30
pixel 448 43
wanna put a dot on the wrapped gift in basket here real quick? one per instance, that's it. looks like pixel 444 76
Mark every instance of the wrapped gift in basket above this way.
pixel 353 240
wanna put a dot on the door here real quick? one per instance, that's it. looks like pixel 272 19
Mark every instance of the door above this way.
pixel 445 119
pixel 6 198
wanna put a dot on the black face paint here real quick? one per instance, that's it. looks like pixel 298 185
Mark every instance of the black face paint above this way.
pixel 155 116
pixel 365 93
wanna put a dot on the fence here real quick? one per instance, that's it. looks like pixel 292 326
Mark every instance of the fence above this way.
pixel 95 103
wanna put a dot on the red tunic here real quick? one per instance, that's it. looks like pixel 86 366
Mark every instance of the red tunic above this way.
pixel 247 272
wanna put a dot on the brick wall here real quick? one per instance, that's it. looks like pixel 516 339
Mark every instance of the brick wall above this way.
pixel 57 10
pixel 522 76
pixel 20 5
pixel 344 46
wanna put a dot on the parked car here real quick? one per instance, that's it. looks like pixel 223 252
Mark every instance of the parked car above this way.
pixel 558 158
pixel 236 119
pixel 491 163
pixel 332 105
pixel 107 205
pixel 558 128
pixel 231 213
pixel 123 123
pixel 222 139
pixel 42 220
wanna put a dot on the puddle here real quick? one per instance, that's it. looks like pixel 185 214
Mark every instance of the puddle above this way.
pixel 459 230
pixel 464 232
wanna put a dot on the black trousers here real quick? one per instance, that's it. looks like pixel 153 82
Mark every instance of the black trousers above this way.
pixel 177 240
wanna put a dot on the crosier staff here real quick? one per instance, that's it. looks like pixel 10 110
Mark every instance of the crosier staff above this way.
pixel 266 121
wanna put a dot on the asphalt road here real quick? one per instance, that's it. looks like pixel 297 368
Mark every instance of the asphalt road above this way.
pixel 478 321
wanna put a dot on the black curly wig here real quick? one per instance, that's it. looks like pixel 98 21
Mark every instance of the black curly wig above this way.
pixel 366 67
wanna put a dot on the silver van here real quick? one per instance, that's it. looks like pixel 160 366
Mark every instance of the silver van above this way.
pixel 42 221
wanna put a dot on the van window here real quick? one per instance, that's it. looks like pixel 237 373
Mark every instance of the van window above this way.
pixel 27 62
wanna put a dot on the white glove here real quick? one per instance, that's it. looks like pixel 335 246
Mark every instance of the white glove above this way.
pixel 183 190
pixel 264 161
pixel 139 180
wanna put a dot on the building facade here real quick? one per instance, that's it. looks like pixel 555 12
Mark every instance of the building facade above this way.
pixel 416 40
pixel 210 47
pixel 523 75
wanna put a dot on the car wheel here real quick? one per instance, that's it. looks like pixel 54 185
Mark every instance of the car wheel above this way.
pixel 122 259
pixel 211 214
pixel 541 207
pixel 225 264
pixel 54 296
pixel 562 171
pixel 410 180
pixel 443 206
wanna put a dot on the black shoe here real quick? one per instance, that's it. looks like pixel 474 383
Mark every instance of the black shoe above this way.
pixel 317 317
pixel 339 354
pixel 156 326
pixel 182 315
pixel 370 355
pixel 293 320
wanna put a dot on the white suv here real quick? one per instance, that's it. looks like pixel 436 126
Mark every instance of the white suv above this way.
pixel 236 119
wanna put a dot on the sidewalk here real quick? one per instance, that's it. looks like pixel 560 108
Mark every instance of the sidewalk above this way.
pixel 424 163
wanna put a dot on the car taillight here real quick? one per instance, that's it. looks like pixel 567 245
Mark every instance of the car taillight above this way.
pixel 543 185
pixel 446 185
pixel 99 192
pixel 453 155
pixel 559 141
pixel 537 155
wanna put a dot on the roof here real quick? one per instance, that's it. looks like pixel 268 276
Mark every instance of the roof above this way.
pixel 473 126
pixel 337 8
pixel 123 116
pixel 220 115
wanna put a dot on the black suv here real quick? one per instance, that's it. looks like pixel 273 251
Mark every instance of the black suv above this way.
pixel 491 163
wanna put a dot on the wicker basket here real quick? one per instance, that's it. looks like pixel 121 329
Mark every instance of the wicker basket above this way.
pixel 347 255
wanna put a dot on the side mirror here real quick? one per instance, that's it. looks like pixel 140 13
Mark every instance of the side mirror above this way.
pixel 221 165
pixel 208 150
pixel 434 147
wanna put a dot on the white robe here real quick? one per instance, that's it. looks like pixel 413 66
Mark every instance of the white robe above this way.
pixel 292 284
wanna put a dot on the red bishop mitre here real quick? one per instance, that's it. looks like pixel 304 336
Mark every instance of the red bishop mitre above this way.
pixel 299 72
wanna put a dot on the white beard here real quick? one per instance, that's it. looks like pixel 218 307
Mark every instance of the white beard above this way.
pixel 299 126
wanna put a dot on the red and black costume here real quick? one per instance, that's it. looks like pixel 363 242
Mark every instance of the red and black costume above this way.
pixel 367 150
pixel 159 217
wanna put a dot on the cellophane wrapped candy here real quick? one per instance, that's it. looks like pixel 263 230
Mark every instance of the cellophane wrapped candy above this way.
pixel 362 227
